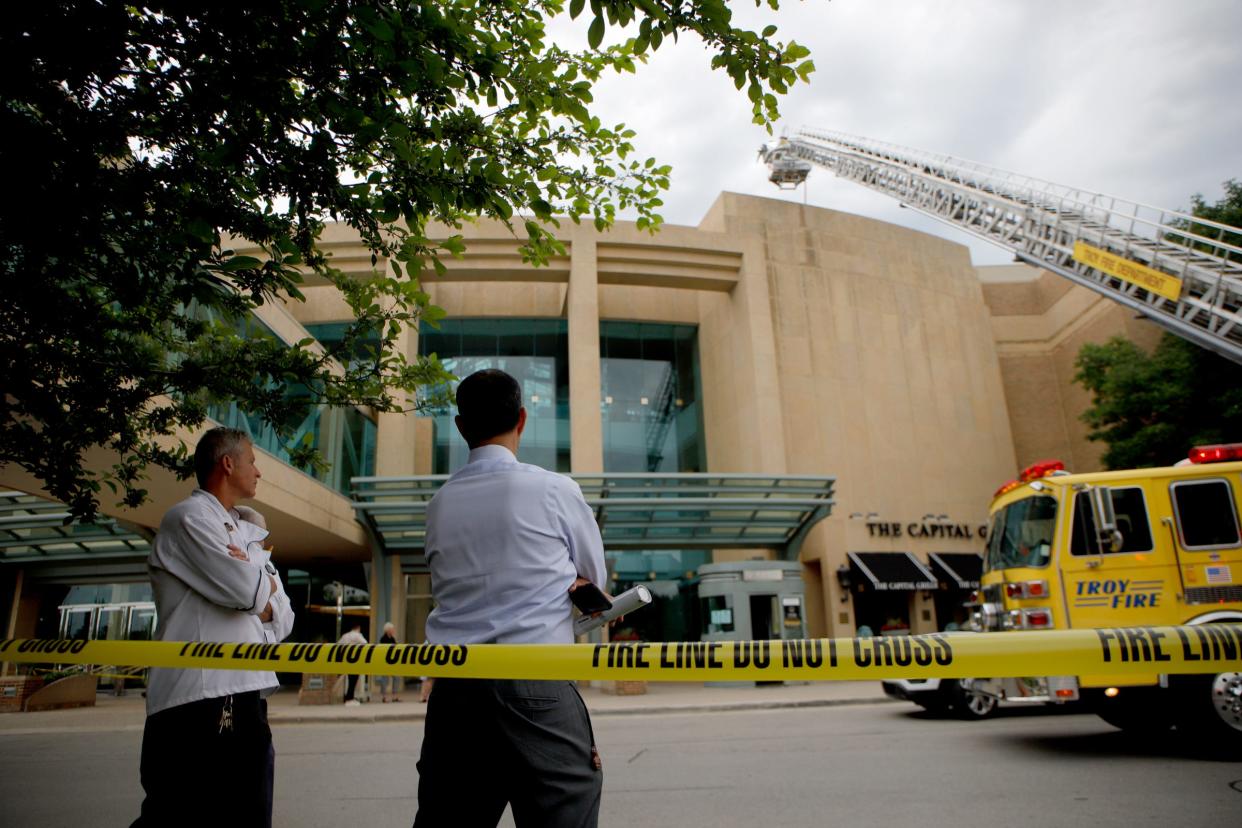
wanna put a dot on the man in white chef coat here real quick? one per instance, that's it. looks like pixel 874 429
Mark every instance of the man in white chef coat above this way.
pixel 206 748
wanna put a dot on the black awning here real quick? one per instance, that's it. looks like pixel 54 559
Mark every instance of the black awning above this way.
pixel 891 571
pixel 960 570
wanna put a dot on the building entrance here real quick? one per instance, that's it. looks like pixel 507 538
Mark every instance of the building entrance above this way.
pixel 761 616
pixel 109 612
pixel 882 613
pixel 751 601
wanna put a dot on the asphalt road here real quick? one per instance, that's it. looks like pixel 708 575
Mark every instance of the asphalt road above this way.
pixel 872 765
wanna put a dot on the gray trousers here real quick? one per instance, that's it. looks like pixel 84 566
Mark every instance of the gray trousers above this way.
pixel 488 742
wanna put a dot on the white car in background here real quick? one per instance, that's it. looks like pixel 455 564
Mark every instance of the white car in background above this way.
pixel 943 696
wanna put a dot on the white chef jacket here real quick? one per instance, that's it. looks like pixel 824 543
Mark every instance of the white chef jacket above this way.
pixel 204 594
pixel 505 541
pixel 251 537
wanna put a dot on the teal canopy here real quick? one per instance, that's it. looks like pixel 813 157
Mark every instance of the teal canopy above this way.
pixel 41 536
pixel 634 511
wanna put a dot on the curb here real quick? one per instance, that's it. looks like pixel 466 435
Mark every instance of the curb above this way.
pixel 724 707
pixel 596 712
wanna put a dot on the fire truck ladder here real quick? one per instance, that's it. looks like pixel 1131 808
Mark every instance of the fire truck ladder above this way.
pixel 1180 271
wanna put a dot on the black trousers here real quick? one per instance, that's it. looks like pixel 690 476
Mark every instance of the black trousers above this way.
pixel 194 774
pixel 490 742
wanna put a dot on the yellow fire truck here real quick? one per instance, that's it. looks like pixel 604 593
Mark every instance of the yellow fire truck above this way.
pixel 1122 549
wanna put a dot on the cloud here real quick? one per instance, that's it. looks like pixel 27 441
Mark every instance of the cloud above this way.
pixel 1134 98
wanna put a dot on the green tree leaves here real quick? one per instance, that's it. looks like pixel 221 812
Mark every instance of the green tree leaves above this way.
pixel 1227 210
pixel 174 132
pixel 595 35
pixel 1152 409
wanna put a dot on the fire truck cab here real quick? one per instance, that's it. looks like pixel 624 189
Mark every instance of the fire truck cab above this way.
pixel 1142 547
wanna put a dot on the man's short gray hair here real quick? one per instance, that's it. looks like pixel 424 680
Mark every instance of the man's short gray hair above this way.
pixel 215 444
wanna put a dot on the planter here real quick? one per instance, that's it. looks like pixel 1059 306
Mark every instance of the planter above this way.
pixel 322 688
pixel 67 692
pixel 14 690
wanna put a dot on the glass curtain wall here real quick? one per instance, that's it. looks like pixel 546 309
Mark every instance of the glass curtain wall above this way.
pixel 652 419
pixel 344 436
pixel 652 422
pixel 536 353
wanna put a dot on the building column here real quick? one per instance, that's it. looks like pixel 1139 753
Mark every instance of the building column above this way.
pixel 397 591
pixel 586 431
pixel 923 613
pixel 10 623
pixel 586 440
pixel 396 447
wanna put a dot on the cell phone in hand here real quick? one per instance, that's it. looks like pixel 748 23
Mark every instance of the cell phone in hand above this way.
pixel 589 599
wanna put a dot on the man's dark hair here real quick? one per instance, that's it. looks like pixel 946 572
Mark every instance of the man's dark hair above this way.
pixel 488 403
pixel 217 443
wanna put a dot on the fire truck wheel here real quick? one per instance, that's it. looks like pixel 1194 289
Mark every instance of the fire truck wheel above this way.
pixel 968 705
pixel 1210 712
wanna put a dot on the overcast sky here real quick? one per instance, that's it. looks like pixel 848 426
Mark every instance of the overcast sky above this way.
pixel 1140 99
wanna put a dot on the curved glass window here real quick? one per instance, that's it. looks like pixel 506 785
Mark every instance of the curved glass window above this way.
pixel 343 435
pixel 536 353
pixel 332 334
pixel 1021 534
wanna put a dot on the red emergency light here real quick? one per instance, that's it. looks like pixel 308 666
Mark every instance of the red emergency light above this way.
pixel 1221 453
pixel 1008 487
pixel 1026 589
pixel 1041 469
pixel 1038 619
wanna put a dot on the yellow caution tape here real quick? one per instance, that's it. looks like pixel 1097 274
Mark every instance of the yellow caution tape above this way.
pixel 1210 648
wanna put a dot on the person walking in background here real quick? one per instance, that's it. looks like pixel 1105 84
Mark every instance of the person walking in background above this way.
pixel 506 544
pixel 206 744
pixel 354 636
pixel 389 685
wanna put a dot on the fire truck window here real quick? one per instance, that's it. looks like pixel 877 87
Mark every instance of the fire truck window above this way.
pixel 1021 534
pixel 1131 512
pixel 1205 515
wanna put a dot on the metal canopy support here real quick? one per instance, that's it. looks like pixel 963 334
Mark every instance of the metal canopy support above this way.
pixel 35 531
pixel 634 511
pixel 1042 222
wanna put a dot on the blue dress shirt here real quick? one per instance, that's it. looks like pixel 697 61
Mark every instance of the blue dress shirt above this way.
pixel 505 541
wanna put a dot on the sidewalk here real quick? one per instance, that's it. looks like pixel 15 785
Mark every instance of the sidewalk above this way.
pixel 661 697
pixel 127 713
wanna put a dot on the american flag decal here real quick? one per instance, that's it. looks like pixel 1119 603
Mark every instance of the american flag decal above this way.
pixel 1219 575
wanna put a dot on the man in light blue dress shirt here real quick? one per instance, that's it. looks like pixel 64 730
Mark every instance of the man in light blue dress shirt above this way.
pixel 506 543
